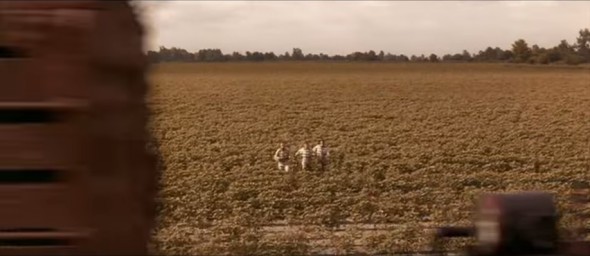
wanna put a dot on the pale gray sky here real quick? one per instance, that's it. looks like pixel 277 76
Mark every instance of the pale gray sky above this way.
pixel 332 27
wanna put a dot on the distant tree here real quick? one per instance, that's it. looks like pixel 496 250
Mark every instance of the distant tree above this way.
pixel 356 56
pixel 255 56
pixel 542 58
pixel 270 56
pixel 488 55
pixel 310 56
pixel 164 54
pixel 565 47
pixel 574 59
pixel 521 51
pixel 433 58
pixel 174 54
pixel 491 55
pixel 567 53
pixel 395 58
pixel 583 40
pixel 338 58
pixel 371 56
pixel 538 55
pixel 564 52
pixel 553 55
pixel 236 56
pixel 583 44
pixel 389 57
pixel 285 56
pixel 466 56
pixel 503 55
pixel 297 54
pixel 153 56
pixel 210 55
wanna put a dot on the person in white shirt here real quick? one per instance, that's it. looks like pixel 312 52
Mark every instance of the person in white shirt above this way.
pixel 321 153
pixel 305 153
pixel 282 157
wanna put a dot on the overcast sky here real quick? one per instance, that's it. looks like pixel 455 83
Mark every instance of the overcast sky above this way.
pixel 332 27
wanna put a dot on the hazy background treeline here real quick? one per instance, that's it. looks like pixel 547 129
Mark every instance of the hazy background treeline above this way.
pixel 521 52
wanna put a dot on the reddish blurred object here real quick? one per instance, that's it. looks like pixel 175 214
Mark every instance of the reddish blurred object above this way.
pixel 517 224
pixel 75 175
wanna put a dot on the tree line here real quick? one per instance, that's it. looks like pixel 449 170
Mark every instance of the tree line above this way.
pixel 521 52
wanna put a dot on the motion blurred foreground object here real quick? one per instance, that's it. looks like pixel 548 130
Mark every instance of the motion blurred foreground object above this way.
pixel 515 224
pixel 75 175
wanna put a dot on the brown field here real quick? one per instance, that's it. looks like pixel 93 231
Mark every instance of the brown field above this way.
pixel 413 145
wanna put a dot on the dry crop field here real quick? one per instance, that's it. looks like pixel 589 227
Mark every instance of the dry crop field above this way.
pixel 413 145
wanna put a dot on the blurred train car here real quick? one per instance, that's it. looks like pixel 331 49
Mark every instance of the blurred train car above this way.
pixel 515 224
pixel 75 175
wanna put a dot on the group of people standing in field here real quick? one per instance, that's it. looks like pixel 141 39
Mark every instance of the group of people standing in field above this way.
pixel 307 155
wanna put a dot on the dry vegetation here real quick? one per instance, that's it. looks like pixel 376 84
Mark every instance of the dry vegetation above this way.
pixel 413 146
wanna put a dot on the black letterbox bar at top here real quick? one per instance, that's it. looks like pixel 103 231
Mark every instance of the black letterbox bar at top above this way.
pixel 24 176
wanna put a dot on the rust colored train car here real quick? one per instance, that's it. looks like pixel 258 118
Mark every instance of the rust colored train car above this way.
pixel 75 175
